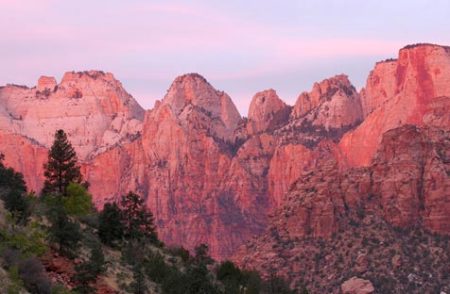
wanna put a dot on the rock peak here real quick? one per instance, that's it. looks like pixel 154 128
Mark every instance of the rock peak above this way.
pixel 192 91
pixel 46 83
pixel 264 108
pixel 190 77
pixel 323 91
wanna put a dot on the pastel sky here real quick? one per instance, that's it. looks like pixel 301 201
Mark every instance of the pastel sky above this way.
pixel 241 47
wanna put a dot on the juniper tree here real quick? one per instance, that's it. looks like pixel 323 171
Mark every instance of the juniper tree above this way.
pixel 62 167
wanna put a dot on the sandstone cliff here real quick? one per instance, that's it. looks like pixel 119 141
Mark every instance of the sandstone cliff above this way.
pixel 213 177
pixel 409 90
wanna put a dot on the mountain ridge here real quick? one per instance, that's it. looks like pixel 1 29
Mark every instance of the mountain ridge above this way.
pixel 209 175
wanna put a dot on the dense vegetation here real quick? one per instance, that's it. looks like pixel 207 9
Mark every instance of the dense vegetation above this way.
pixel 118 244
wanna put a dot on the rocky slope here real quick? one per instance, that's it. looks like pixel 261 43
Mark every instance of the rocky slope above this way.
pixel 213 177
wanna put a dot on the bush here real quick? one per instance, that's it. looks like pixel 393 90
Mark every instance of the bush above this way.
pixel 231 276
pixel 33 275
pixel 78 201
pixel 156 268
pixel 17 204
pixel 16 285
pixel 181 252
pixel 276 285
pixel 29 240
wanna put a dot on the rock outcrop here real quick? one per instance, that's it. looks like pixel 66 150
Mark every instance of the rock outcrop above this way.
pixel 267 112
pixel 46 83
pixel 356 285
pixel 409 90
pixel 332 103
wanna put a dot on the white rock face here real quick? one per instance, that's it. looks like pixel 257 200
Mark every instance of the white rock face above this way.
pixel 91 107
pixel 193 91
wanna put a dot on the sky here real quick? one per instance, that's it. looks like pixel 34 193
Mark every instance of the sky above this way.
pixel 240 47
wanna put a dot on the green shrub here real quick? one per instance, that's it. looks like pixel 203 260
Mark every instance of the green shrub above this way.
pixel 29 240
pixel 78 201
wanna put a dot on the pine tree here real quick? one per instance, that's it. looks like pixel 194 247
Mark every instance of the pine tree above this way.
pixel 110 228
pixel 137 219
pixel 88 271
pixel 12 192
pixel 62 167
pixel 63 231
pixel 10 179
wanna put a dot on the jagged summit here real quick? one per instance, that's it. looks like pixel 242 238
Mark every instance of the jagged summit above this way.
pixel 323 91
pixel 332 103
pixel 192 92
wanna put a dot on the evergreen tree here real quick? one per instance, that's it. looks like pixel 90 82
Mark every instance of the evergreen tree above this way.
pixel 63 231
pixel 10 179
pixel 12 192
pixel 138 286
pixel 17 203
pixel 198 274
pixel 110 227
pixel 137 219
pixel 62 167
pixel 88 271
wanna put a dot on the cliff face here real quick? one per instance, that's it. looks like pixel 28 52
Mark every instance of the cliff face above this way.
pixel 409 90
pixel 210 176
pixel 328 212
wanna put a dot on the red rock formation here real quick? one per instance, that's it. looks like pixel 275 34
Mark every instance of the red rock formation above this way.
pixel 212 177
pixel 357 285
pixel 406 186
pixel 332 103
pixel 401 185
pixel 400 92
pixel 24 155
pixel 267 111
pixel 46 83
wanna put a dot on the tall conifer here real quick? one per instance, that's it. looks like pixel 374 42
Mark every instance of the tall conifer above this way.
pixel 62 167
